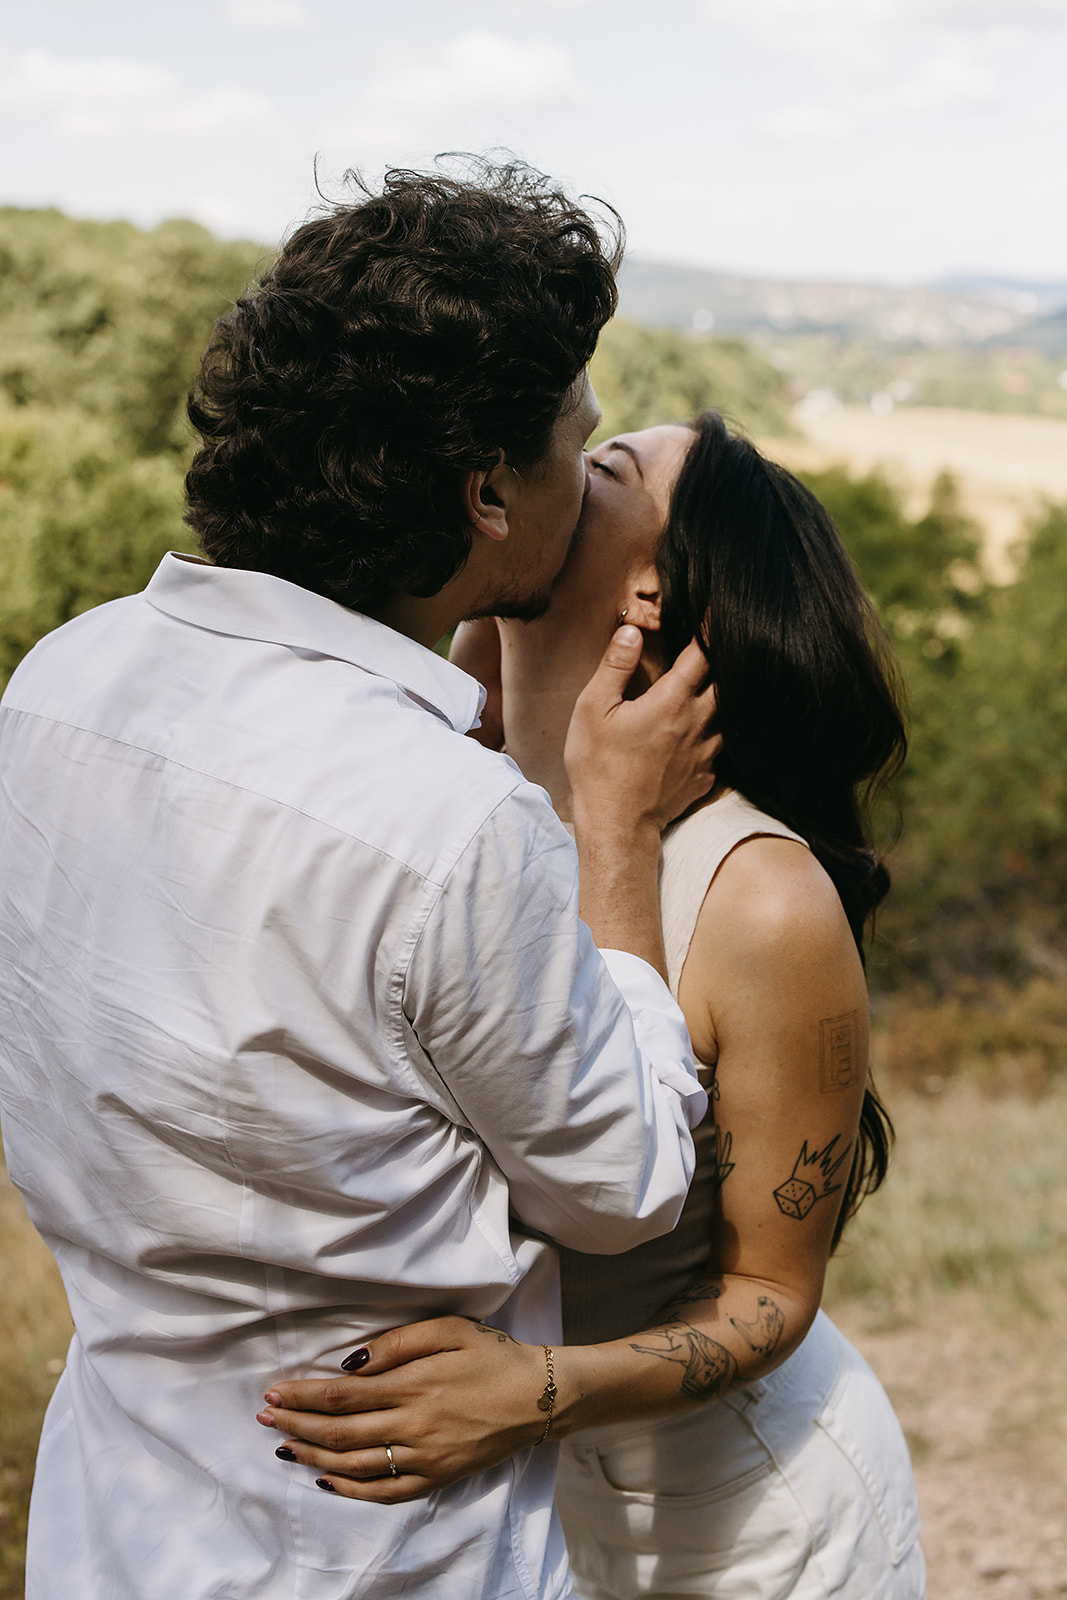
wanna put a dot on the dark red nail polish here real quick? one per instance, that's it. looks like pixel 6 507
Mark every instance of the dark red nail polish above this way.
pixel 284 1453
pixel 324 1483
pixel 357 1359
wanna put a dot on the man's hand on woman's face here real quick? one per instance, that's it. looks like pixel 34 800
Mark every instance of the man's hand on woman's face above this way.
pixel 449 1397
pixel 639 763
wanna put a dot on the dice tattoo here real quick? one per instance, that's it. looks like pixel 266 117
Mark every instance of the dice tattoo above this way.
pixel 811 1180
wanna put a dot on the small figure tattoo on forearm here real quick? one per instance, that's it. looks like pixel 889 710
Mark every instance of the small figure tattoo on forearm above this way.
pixel 764 1335
pixel 498 1333
pixel 812 1179
pixel 837 1052
pixel 709 1367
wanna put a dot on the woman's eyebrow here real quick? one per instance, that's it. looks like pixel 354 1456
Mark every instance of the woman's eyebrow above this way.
pixel 617 444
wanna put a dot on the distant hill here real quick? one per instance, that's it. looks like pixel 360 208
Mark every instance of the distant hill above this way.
pixel 958 311
pixel 1029 297
pixel 1048 335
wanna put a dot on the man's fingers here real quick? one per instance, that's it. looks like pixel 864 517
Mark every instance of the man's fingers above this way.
pixel 688 675
pixel 617 666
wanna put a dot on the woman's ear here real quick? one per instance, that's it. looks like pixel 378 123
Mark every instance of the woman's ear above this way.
pixel 643 599
pixel 483 506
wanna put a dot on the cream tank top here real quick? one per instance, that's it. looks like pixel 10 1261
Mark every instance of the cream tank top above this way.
pixel 607 1297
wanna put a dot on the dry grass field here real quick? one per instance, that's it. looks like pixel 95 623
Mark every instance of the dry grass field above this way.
pixel 1006 464
pixel 953 1283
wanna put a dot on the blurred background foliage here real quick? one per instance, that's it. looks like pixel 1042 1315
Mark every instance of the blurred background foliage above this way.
pixel 643 376
pixel 101 327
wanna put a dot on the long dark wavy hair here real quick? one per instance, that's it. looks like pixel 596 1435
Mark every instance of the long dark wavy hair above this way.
pixel 809 703
pixel 401 339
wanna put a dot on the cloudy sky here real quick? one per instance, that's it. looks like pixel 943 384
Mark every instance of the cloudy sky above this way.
pixel 895 139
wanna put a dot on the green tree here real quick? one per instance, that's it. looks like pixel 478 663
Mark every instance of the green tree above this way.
pixel 81 520
pixel 989 804
pixel 980 865
pixel 644 376
pixel 101 330
pixel 923 572
pixel 110 319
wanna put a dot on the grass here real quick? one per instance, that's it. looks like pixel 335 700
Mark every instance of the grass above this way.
pixel 976 1199
pixel 1009 1037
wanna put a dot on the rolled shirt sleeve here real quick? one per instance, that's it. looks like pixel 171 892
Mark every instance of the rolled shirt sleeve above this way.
pixel 574 1068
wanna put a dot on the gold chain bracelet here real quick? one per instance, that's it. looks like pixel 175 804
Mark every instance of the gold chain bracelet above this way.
pixel 547 1400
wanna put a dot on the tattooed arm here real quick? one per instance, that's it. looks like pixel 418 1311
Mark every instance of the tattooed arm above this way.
pixel 773 992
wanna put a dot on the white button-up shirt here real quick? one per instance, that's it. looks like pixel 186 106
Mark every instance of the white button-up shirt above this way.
pixel 300 1038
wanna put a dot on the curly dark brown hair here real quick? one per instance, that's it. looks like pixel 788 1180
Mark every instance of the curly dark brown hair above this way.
pixel 400 339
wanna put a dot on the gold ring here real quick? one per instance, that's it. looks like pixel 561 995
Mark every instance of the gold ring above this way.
pixel 394 1470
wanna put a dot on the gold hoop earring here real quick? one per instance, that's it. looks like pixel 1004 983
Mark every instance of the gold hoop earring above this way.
pixel 621 618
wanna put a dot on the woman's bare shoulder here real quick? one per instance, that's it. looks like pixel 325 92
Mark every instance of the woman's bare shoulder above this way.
pixel 771 890
pixel 771 933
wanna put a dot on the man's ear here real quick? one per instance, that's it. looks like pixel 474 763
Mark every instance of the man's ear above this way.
pixel 483 502
pixel 643 599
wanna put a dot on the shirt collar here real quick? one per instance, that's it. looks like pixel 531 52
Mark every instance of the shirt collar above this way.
pixel 257 605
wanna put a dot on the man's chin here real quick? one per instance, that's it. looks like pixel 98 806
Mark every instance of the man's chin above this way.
pixel 515 608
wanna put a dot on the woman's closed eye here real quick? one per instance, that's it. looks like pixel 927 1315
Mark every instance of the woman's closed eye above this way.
pixel 603 467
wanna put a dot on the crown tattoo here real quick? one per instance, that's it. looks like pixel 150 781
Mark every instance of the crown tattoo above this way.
pixel 812 1179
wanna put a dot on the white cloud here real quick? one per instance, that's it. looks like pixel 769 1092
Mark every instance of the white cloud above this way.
pixel 268 16
pixel 219 212
pixel 1006 13
pixel 486 70
pixel 863 15
pixel 873 59
pixel 477 73
pixel 112 96
pixel 808 120
pixel 37 77
pixel 866 39
pixel 949 77
pixel 219 111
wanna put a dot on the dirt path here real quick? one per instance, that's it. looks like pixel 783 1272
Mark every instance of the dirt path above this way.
pixel 983 1402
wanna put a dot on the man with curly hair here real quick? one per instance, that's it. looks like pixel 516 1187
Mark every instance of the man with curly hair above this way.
pixel 303 1037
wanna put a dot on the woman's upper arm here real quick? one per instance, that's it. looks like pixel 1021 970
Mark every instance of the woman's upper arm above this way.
pixel 773 989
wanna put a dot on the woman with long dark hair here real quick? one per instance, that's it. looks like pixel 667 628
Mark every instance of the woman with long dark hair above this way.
pixel 721 1437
